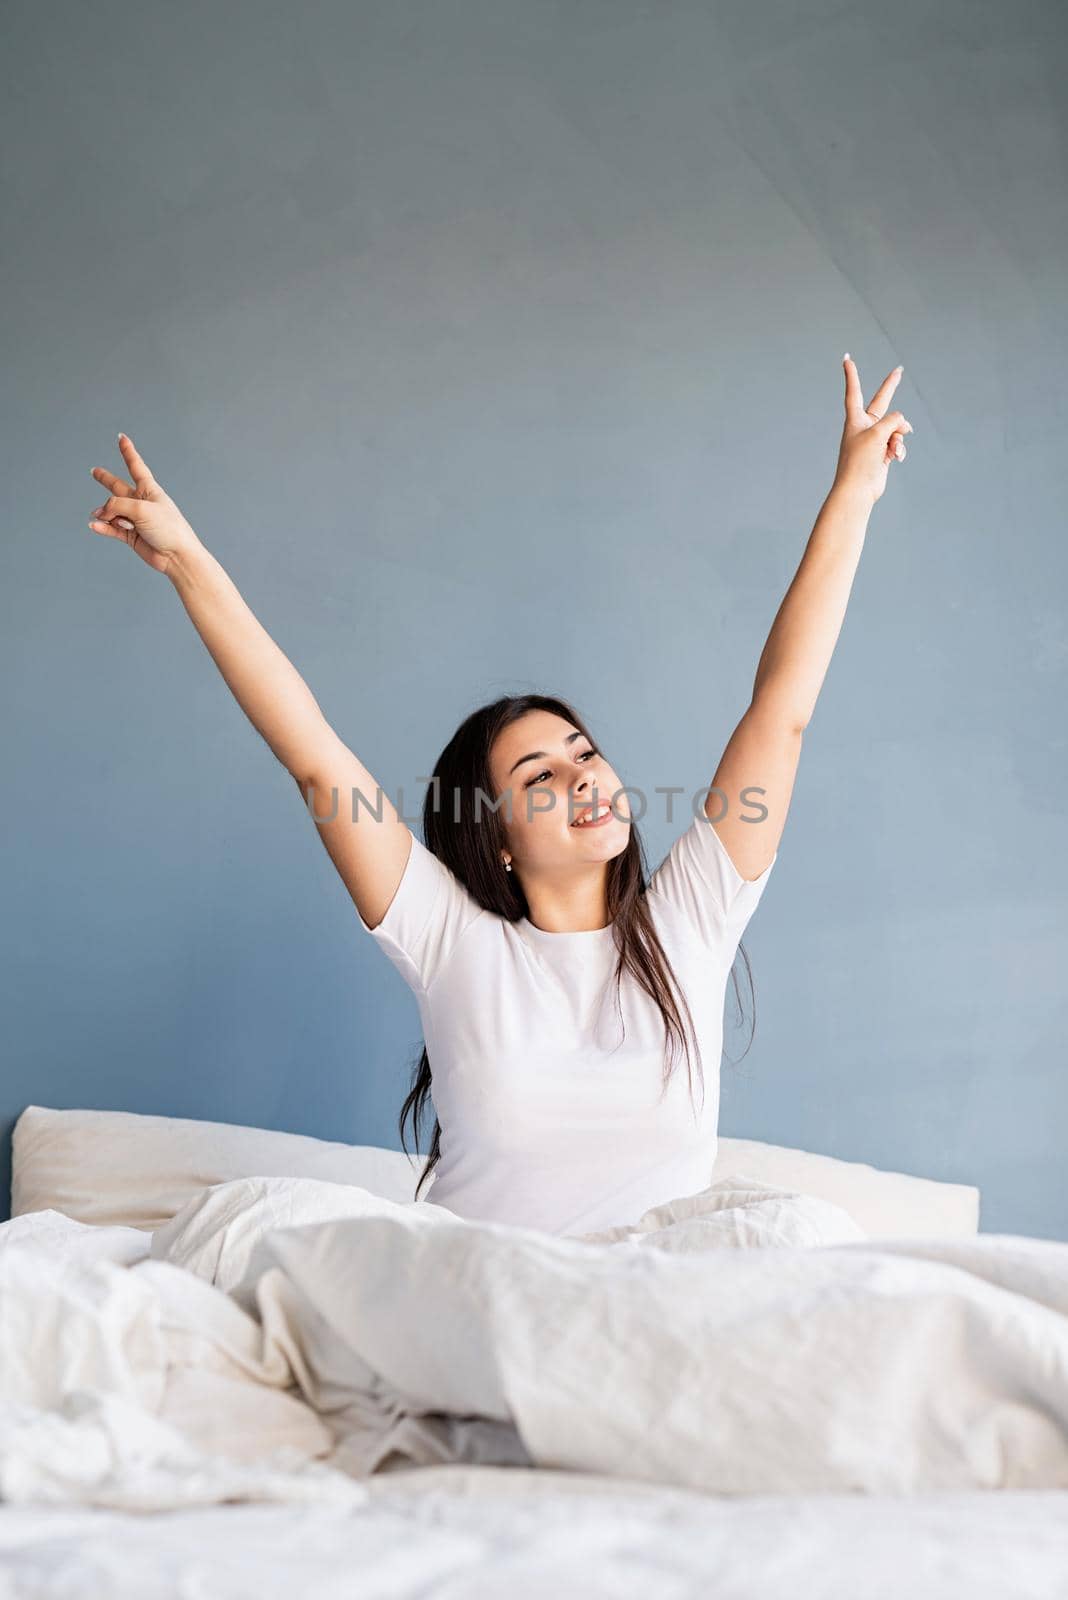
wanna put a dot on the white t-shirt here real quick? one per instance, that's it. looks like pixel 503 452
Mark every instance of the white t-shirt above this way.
pixel 550 1117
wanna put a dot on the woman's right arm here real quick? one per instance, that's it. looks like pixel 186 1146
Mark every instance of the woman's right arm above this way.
pixel 370 852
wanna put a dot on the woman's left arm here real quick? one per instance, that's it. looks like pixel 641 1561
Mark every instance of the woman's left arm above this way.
pixel 762 754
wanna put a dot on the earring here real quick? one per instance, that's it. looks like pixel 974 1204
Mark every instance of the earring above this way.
pixel 507 866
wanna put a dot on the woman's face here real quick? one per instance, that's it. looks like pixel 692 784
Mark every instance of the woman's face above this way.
pixel 552 771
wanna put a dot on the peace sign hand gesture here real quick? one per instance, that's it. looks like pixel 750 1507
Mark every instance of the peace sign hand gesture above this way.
pixel 142 513
pixel 872 436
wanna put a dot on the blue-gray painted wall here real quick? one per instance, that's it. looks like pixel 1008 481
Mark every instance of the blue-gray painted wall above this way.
pixel 495 346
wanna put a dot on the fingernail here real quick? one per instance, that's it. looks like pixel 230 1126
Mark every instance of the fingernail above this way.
pixel 846 356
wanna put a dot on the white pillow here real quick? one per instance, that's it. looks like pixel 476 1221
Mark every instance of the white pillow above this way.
pixel 125 1168
pixel 886 1204
pixel 130 1169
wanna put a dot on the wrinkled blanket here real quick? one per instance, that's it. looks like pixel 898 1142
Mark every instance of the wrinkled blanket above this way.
pixel 284 1338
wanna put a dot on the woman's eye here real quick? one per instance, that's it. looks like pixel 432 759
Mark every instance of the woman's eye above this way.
pixel 537 779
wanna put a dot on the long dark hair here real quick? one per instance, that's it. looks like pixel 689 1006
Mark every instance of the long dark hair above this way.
pixel 471 846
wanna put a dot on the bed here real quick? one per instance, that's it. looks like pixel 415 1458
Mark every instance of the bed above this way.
pixel 238 1361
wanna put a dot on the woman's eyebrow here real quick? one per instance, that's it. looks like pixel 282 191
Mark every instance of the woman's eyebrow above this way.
pixel 538 755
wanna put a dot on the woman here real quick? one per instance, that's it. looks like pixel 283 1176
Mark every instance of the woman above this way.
pixel 556 986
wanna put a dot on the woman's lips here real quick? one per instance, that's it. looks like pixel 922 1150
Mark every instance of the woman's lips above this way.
pixel 601 820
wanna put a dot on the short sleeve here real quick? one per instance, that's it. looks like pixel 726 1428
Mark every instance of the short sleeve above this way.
pixel 699 878
pixel 426 918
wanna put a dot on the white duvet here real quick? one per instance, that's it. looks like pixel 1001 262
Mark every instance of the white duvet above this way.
pixel 285 1338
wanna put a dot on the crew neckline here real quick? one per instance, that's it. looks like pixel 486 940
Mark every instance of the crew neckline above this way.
pixel 573 933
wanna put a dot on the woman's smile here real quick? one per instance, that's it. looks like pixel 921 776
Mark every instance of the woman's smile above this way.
pixel 604 814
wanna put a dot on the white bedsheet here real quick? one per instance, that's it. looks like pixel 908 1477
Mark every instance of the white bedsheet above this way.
pixel 743 1342
pixel 132 1384
pixel 477 1533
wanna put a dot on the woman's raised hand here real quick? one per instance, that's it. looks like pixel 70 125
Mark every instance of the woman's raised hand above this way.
pixel 141 514
pixel 872 436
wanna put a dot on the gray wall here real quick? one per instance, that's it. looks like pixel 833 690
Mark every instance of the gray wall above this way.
pixel 478 339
